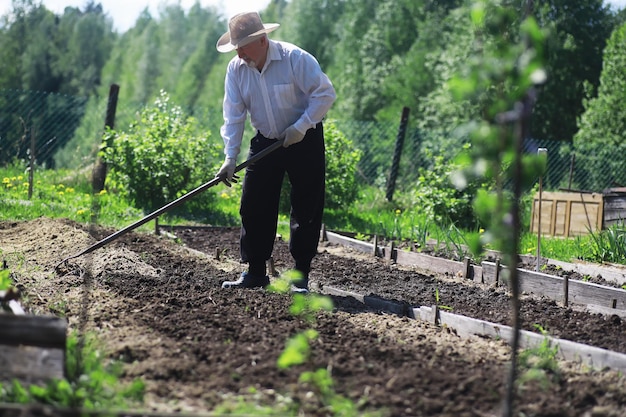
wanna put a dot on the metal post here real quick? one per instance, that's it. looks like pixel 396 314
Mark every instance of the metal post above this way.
pixel 542 152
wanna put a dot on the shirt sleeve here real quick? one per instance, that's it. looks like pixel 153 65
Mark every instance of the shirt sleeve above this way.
pixel 316 85
pixel 235 114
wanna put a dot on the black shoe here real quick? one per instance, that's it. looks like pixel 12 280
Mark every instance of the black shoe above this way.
pixel 247 280
pixel 300 286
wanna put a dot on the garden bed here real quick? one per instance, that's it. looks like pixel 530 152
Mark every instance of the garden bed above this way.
pixel 157 305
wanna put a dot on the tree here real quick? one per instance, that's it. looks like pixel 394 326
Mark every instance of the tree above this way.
pixel 88 39
pixel 318 38
pixel 416 69
pixel 602 127
pixel 205 26
pixel 579 30
pixel 44 54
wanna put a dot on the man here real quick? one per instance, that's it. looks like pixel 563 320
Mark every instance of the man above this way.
pixel 287 95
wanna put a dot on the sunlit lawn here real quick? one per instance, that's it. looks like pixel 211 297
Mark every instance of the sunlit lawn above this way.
pixel 67 194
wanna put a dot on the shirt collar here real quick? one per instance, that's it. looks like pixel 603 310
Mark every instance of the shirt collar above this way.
pixel 273 54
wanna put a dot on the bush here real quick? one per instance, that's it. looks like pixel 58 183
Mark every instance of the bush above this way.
pixel 161 156
pixel 342 158
pixel 440 200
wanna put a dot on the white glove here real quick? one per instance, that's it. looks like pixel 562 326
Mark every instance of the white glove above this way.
pixel 292 135
pixel 227 171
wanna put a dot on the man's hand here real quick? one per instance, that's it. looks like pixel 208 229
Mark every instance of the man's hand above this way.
pixel 292 135
pixel 227 171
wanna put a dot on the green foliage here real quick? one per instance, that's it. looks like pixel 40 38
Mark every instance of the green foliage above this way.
pixel 297 349
pixel 317 39
pixel 342 158
pixel 60 194
pixel 602 132
pixel 501 71
pixel 160 157
pixel 89 383
pixel 439 198
pixel 43 52
pixel 539 363
pixel 304 306
pixel 322 382
pixel 5 279
pixel 573 58
pixel 609 245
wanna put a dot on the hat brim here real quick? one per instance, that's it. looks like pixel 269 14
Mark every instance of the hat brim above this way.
pixel 224 44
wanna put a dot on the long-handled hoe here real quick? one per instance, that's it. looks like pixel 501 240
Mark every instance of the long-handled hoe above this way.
pixel 172 204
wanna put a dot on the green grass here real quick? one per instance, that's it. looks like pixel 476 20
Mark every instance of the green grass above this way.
pixel 60 194
pixel 67 194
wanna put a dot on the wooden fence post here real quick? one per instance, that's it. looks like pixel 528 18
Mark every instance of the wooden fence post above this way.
pixel 395 166
pixel 100 169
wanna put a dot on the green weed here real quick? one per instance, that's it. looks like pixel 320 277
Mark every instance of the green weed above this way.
pixel 298 348
pixel 539 364
pixel 5 280
pixel 443 307
pixel 609 245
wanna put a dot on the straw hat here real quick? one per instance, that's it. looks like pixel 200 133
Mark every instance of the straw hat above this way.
pixel 243 28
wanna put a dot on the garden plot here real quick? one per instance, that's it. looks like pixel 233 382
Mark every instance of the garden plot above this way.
pixel 158 306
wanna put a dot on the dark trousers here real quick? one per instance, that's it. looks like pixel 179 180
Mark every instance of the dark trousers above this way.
pixel 305 164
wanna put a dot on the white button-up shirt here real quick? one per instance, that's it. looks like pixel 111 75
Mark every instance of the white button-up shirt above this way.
pixel 291 89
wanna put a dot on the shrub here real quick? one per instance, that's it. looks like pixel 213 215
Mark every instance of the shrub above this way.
pixel 436 195
pixel 160 157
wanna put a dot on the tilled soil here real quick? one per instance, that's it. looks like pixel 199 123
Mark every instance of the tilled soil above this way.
pixel 157 304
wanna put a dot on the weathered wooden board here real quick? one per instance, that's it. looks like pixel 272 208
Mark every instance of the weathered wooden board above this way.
pixel 32 348
pixel 491 272
pixel 579 292
pixel 40 331
pixel 376 303
pixel 606 311
pixel 567 213
pixel 466 327
pixel 614 207
pixel 31 364
pixel 551 286
pixel 350 242
pixel 588 293
pixel 616 274
pixel 430 263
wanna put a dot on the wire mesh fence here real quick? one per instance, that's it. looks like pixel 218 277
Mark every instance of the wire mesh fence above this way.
pixel 38 125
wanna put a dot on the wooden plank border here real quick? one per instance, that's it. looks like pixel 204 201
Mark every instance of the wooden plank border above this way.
pixel 553 287
pixel 415 259
pixel 376 303
pixel 39 331
pixel 349 242
pixel 467 327
pixel 32 348
pixel 571 351
pixel 579 292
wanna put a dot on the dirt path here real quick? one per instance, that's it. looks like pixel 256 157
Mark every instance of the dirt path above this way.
pixel 158 306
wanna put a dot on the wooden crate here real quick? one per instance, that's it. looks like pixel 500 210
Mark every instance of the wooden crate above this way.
pixel 614 207
pixel 566 214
